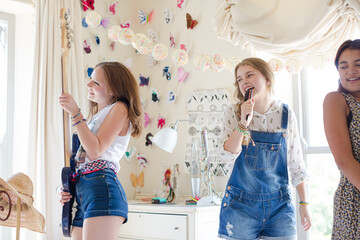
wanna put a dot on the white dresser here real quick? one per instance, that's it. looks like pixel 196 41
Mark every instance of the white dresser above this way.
pixel 171 221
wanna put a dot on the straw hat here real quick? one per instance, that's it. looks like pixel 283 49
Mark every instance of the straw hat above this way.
pixel 19 185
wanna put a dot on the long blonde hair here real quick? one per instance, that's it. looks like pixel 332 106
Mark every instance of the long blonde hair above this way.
pixel 125 89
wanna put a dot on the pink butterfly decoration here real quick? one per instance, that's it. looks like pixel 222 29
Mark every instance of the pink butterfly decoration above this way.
pixel 112 46
pixel 183 47
pixel 161 122
pixel 87 47
pixel 180 3
pixel 112 7
pixel 146 120
pixel 182 75
pixel 172 41
pixel 125 25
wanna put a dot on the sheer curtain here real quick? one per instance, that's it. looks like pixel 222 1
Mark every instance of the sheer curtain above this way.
pixel 286 28
pixel 46 157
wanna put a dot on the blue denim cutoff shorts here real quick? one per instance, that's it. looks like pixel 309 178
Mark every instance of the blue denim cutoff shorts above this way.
pixel 99 194
pixel 249 216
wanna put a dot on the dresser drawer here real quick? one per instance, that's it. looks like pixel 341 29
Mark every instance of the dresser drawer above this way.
pixel 154 226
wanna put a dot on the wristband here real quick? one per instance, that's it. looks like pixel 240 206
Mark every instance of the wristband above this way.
pixel 303 203
pixel 78 114
pixel 82 120
pixel 242 129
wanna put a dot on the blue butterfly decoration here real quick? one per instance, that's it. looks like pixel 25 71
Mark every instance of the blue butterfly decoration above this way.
pixel 166 73
pixel 97 39
pixel 144 81
pixel 84 24
pixel 89 71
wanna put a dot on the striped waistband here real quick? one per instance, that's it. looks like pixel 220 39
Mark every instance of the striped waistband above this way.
pixel 94 166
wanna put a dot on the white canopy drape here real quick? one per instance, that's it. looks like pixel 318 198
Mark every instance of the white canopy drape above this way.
pixel 288 28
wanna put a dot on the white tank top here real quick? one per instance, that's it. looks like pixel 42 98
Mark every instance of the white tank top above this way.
pixel 117 148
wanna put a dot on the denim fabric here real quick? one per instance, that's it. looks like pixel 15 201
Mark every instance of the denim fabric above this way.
pixel 99 194
pixel 257 202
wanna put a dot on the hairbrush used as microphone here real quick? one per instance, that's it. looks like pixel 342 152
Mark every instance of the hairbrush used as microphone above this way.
pixel 248 95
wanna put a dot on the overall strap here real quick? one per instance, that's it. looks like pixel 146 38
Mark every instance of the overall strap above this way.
pixel 285 115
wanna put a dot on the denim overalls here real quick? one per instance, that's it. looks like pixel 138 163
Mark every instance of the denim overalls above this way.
pixel 257 202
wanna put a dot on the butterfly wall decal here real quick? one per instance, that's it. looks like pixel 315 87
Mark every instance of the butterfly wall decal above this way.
pixel 155 96
pixel 112 46
pixel 142 160
pixel 171 97
pixel 144 81
pixel 166 72
pixel 180 3
pixel 143 17
pixel 161 122
pixel 87 4
pixel 182 75
pixel 130 153
pixel 89 71
pixel 169 15
pixel 105 22
pixel 146 120
pixel 97 39
pixel 83 22
pixel 190 22
pixel 137 180
pixel 172 40
pixel 153 35
pixel 125 25
pixel 87 47
pixel 147 138
pixel 112 7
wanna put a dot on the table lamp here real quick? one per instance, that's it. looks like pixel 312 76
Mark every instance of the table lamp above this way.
pixel 166 139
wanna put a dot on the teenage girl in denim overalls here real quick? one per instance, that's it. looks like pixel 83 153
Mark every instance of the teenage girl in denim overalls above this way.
pixel 261 142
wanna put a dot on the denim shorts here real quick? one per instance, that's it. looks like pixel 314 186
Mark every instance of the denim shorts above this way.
pixel 99 194
pixel 249 216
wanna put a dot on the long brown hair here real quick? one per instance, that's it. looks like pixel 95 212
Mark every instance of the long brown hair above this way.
pixel 125 89
pixel 348 44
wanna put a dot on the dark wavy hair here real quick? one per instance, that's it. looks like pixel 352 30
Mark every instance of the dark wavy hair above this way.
pixel 348 44
pixel 125 89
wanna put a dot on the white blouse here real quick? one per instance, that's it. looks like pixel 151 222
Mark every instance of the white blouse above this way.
pixel 268 122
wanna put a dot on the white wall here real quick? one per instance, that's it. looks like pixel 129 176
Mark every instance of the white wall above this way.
pixel 201 40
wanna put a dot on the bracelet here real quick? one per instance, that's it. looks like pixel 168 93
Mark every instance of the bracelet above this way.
pixel 242 129
pixel 82 120
pixel 303 203
pixel 78 114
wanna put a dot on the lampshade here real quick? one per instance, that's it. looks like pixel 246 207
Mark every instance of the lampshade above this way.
pixel 166 139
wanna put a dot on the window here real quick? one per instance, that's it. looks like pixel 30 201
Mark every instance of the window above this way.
pixel 6 91
pixel 6 99
pixel 311 89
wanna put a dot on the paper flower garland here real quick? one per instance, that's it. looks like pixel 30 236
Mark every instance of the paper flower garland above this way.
pixel 114 33
pixel 159 52
pixel 202 62
pixel 231 63
pixel 276 65
pixel 293 66
pixel 93 19
pixel 142 43
pixel 126 36
pixel 180 57
pixel 217 63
